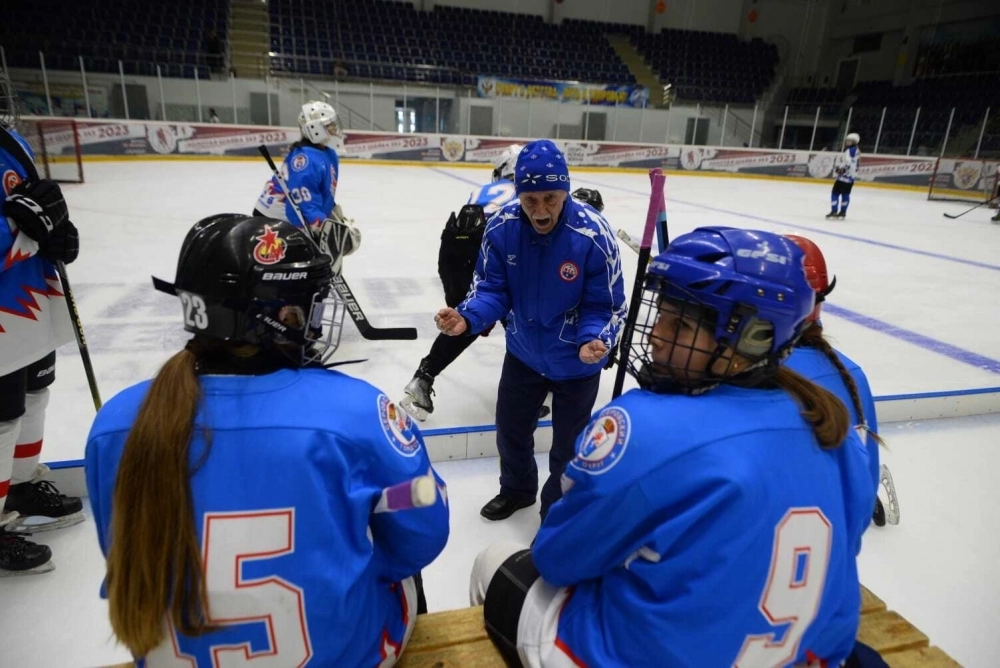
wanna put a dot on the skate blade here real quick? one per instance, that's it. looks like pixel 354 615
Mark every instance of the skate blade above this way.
pixel 892 507
pixel 415 411
pixel 37 570
pixel 23 525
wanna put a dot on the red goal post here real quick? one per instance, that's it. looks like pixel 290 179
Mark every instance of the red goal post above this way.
pixel 965 180
pixel 56 145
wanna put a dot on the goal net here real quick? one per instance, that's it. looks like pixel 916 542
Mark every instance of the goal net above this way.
pixel 964 180
pixel 56 145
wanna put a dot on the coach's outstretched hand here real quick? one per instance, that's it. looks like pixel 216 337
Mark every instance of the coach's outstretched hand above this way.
pixel 450 322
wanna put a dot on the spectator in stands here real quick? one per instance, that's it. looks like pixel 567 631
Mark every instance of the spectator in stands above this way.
pixel 214 48
pixel 339 69
pixel 212 116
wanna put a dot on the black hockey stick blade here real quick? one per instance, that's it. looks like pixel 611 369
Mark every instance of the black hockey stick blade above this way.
pixel 366 329
pixel 17 152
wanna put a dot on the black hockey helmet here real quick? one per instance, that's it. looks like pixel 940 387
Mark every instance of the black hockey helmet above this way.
pixel 591 197
pixel 471 219
pixel 259 281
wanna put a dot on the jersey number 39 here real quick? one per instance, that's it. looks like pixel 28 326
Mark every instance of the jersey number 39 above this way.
pixel 231 540
pixel 797 576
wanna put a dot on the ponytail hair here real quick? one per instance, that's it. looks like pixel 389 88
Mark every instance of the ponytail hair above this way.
pixel 826 413
pixel 813 338
pixel 154 559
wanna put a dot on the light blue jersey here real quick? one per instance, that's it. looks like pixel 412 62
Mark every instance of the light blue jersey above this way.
pixel 707 531
pixel 493 196
pixel 297 565
pixel 311 173
pixel 815 366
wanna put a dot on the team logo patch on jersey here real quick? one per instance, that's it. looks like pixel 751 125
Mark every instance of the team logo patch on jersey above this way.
pixel 605 443
pixel 397 427
pixel 300 162
pixel 270 248
pixel 568 271
pixel 10 181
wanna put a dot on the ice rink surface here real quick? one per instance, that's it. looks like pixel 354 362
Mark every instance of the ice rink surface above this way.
pixel 915 305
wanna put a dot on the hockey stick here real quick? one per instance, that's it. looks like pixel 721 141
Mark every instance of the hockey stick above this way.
pixel 657 207
pixel 629 241
pixel 953 217
pixel 416 493
pixel 17 152
pixel 339 283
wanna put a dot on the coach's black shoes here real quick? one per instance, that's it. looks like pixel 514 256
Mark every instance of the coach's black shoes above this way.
pixel 502 507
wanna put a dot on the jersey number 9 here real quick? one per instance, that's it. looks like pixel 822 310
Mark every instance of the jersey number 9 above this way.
pixel 795 583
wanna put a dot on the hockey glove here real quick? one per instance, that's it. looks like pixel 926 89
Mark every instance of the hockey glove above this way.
pixel 36 207
pixel 63 245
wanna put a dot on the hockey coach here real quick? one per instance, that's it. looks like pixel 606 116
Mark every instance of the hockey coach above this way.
pixel 549 265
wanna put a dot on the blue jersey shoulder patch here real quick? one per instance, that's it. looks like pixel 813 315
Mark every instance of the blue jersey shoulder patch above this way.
pixel 397 427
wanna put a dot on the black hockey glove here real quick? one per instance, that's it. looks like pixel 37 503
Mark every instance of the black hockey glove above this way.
pixel 63 245
pixel 37 208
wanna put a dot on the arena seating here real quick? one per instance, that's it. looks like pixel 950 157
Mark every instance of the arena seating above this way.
pixel 141 35
pixel 392 40
pixel 705 66
pixel 969 95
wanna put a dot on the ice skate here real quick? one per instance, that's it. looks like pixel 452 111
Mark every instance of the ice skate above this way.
pixel 891 503
pixel 19 556
pixel 841 214
pixel 40 499
pixel 832 214
pixel 417 401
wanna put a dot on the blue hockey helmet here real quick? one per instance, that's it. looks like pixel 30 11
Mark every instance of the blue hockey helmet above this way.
pixel 748 287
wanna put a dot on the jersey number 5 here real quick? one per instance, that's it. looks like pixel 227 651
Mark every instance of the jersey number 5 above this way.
pixel 229 541
pixel 799 560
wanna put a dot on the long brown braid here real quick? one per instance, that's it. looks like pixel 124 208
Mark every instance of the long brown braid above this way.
pixel 813 338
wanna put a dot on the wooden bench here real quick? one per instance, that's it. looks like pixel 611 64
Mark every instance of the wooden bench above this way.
pixel 457 639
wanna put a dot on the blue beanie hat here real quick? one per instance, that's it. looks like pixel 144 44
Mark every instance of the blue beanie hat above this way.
pixel 541 166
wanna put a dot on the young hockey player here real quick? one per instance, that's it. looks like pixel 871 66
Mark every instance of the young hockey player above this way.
pixel 712 511
pixel 236 494
pixel 311 170
pixel 460 242
pixel 35 232
pixel 847 172
pixel 814 358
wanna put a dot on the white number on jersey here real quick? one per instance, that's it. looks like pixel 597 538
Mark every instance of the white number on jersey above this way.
pixel 229 541
pixel 300 195
pixel 799 560
pixel 495 195
pixel 195 311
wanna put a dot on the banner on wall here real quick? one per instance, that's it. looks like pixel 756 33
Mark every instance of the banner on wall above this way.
pixel 128 138
pixel 563 91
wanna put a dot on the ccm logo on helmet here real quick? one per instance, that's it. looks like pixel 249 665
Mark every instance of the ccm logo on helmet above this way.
pixel 284 275
pixel 768 257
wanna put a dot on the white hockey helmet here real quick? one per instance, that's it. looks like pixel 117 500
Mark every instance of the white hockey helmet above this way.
pixel 319 122
pixel 503 168
pixel 853 138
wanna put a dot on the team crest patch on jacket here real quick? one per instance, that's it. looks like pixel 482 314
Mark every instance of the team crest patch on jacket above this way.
pixel 270 248
pixel 605 442
pixel 10 181
pixel 569 271
pixel 397 427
